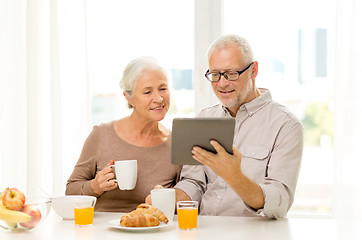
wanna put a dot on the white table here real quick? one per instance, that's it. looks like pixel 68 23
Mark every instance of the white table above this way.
pixel 209 227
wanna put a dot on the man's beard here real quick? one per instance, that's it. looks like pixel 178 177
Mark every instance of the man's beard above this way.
pixel 231 103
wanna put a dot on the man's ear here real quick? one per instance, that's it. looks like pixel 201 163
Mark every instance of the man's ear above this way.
pixel 254 70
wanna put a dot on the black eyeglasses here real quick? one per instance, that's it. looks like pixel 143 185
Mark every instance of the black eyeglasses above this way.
pixel 231 76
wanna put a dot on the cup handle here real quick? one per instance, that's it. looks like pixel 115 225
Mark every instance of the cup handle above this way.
pixel 112 166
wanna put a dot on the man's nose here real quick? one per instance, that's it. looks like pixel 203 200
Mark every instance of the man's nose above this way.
pixel 223 81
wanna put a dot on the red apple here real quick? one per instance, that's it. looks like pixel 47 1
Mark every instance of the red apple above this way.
pixel 13 199
pixel 35 214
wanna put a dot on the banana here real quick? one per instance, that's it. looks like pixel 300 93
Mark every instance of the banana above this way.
pixel 12 216
pixel 12 225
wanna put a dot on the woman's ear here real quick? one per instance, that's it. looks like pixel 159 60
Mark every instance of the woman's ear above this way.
pixel 128 98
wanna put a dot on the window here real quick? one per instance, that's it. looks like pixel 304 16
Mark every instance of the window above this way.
pixel 119 31
pixel 293 44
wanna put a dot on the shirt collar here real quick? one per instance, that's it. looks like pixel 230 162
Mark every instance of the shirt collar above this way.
pixel 255 105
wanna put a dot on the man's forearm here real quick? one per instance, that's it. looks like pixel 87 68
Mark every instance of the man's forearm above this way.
pixel 181 195
pixel 249 191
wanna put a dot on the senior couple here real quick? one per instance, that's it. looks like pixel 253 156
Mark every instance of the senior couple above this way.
pixel 258 179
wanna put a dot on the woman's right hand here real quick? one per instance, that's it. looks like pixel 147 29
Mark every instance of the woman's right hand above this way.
pixel 104 180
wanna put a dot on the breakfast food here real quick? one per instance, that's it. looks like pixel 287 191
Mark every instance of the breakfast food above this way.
pixel 149 209
pixel 13 199
pixel 144 216
pixel 139 220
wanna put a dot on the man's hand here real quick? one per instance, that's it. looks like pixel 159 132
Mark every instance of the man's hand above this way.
pixel 226 165
pixel 104 180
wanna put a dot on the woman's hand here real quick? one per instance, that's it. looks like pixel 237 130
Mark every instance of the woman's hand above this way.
pixel 104 180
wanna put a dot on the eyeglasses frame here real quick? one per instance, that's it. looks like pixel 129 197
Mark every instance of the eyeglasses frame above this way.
pixel 225 76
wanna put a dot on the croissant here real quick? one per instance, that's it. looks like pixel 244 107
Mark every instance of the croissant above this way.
pixel 139 220
pixel 146 208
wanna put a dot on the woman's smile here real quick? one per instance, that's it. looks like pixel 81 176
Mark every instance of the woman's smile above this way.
pixel 158 108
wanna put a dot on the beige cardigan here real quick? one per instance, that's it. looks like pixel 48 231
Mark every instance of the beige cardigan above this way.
pixel 102 145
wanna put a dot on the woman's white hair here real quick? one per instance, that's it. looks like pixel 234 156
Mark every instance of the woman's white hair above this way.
pixel 135 69
pixel 227 40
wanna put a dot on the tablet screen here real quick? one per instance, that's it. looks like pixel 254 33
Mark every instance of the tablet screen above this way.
pixel 189 132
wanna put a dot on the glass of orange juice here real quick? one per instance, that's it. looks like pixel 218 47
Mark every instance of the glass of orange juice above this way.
pixel 83 212
pixel 187 212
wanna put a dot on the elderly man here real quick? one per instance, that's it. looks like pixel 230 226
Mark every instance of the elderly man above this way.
pixel 260 177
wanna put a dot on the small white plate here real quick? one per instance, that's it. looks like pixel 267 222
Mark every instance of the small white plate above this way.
pixel 115 224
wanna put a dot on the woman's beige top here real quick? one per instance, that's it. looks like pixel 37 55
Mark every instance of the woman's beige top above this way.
pixel 102 145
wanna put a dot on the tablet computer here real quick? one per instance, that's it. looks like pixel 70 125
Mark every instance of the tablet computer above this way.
pixel 189 132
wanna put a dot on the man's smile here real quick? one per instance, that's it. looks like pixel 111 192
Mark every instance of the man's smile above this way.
pixel 226 92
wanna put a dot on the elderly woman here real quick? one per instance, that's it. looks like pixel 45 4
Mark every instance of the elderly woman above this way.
pixel 139 136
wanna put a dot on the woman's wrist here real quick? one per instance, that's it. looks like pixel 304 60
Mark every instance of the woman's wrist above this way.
pixel 95 189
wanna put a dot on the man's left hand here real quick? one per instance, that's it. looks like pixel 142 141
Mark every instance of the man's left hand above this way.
pixel 226 165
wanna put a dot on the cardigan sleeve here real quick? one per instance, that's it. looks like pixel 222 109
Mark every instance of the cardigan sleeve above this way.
pixel 86 167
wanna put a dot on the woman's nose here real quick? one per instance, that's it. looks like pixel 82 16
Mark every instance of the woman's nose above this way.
pixel 158 98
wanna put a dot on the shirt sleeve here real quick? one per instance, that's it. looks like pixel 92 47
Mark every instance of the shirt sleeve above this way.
pixel 193 181
pixel 282 172
pixel 85 169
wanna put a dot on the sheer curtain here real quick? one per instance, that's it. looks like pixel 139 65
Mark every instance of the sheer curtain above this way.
pixel 348 112
pixel 44 100
pixel 12 93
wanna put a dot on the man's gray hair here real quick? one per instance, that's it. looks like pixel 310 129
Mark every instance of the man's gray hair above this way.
pixel 135 69
pixel 227 40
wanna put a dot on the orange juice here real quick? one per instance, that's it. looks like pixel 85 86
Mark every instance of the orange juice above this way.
pixel 83 216
pixel 187 218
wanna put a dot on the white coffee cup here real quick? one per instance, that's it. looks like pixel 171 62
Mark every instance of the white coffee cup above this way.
pixel 164 199
pixel 126 174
